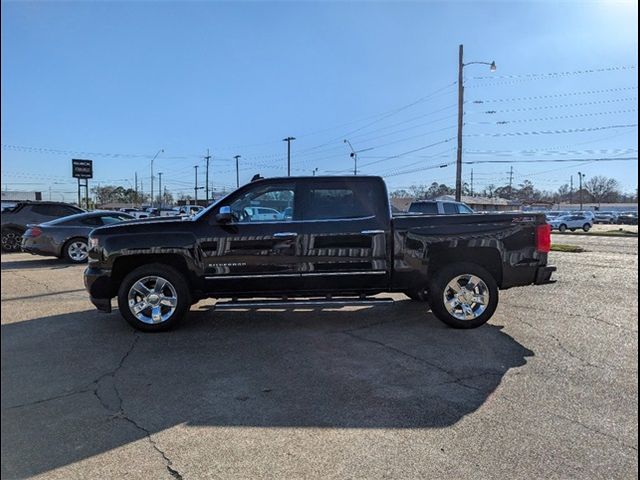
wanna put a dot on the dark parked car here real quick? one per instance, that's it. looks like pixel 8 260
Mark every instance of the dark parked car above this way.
pixel 15 220
pixel 440 207
pixel 628 218
pixel 67 237
pixel 340 243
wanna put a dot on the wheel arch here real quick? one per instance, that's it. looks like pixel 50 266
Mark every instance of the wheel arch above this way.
pixel 487 257
pixel 127 263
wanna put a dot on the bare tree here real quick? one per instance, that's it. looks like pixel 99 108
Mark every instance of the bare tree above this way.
pixel 602 188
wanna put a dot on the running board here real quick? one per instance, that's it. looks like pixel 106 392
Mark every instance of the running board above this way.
pixel 323 302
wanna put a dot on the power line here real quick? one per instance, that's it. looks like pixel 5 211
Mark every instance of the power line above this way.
pixel 560 117
pixel 567 105
pixel 550 132
pixel 518 78
pixel 554 160
pixel 473 162
pixel 390 114
pixel 555 95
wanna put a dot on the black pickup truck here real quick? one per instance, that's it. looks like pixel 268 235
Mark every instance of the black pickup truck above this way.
pixel 323 238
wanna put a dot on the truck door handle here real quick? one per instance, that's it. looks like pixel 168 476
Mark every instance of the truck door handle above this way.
pixel 372 232
pixel 285 235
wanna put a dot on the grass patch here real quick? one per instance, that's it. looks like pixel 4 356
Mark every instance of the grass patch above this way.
pixel 563 247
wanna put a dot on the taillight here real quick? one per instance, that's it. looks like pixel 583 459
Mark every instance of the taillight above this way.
pixel 36 232
pixel 543 238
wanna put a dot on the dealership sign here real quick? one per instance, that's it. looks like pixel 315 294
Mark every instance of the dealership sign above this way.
pixel 82 168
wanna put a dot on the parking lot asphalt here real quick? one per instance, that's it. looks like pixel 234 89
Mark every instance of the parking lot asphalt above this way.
pixel 547 389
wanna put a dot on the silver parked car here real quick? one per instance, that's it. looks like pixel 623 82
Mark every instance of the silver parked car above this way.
pixel 571 222
pixel 66 237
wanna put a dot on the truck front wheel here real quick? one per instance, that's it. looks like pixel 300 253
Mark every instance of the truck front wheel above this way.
pixel 463 295
pixel 154 298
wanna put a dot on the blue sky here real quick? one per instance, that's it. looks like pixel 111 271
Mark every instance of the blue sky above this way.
pixel 130 78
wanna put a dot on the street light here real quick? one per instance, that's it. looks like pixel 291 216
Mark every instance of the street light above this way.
pixel 154 157
pixel 354 154
pixel 288 140
pixel 461 65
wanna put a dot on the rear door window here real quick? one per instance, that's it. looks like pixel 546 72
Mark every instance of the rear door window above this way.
pixel 430 208
pixel 340 200
pixel 450 208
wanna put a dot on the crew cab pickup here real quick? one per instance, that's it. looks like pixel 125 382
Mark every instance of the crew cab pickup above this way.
pixel 336 240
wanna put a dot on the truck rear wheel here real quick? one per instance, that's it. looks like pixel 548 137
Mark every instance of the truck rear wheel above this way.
pixel 154 298
pixel 463 295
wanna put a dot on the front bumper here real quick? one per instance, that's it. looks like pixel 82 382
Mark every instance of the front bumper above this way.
pixel 98 284
pixel 543 274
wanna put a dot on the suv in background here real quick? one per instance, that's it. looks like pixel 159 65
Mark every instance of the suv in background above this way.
pixel 605 217
pixel 15 220
pixel 440 207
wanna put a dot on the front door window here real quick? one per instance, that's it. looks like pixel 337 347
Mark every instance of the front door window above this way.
pixel 265 203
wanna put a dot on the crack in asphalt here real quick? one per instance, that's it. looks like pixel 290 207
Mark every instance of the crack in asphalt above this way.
pixel 566 350
pixel 574 315
pixel 455 378
pixel 48 399
pixel 461 381
pixel 118 410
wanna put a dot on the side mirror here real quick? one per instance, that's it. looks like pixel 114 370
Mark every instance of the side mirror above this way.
pixel 224 215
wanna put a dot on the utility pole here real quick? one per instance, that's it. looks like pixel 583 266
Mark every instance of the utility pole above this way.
pixel 460 115
pixel 237 157
pixel 196 186
pixel 154 157
pixel 136 186
pixel 571 191
pixel 160 188
pixel 472 182
pixel 580 177
pixel 207 158
pixel 288 140
pixel 511 182
pixel 461 66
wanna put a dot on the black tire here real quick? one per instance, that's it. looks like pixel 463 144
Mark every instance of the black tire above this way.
pixel 437 294
pixel 11 240
pixel 562 228
pixel 417 295
pixel 177 281
pixel 67 252
pixel 586 227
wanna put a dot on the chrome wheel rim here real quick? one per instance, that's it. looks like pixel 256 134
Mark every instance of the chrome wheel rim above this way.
pixel 152 299
pixel 466 297
pixel 78 251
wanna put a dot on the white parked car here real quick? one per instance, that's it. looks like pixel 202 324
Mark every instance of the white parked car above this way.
pixel 571 222
pixel 190 209
pixel 135 212
pixel 261 214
